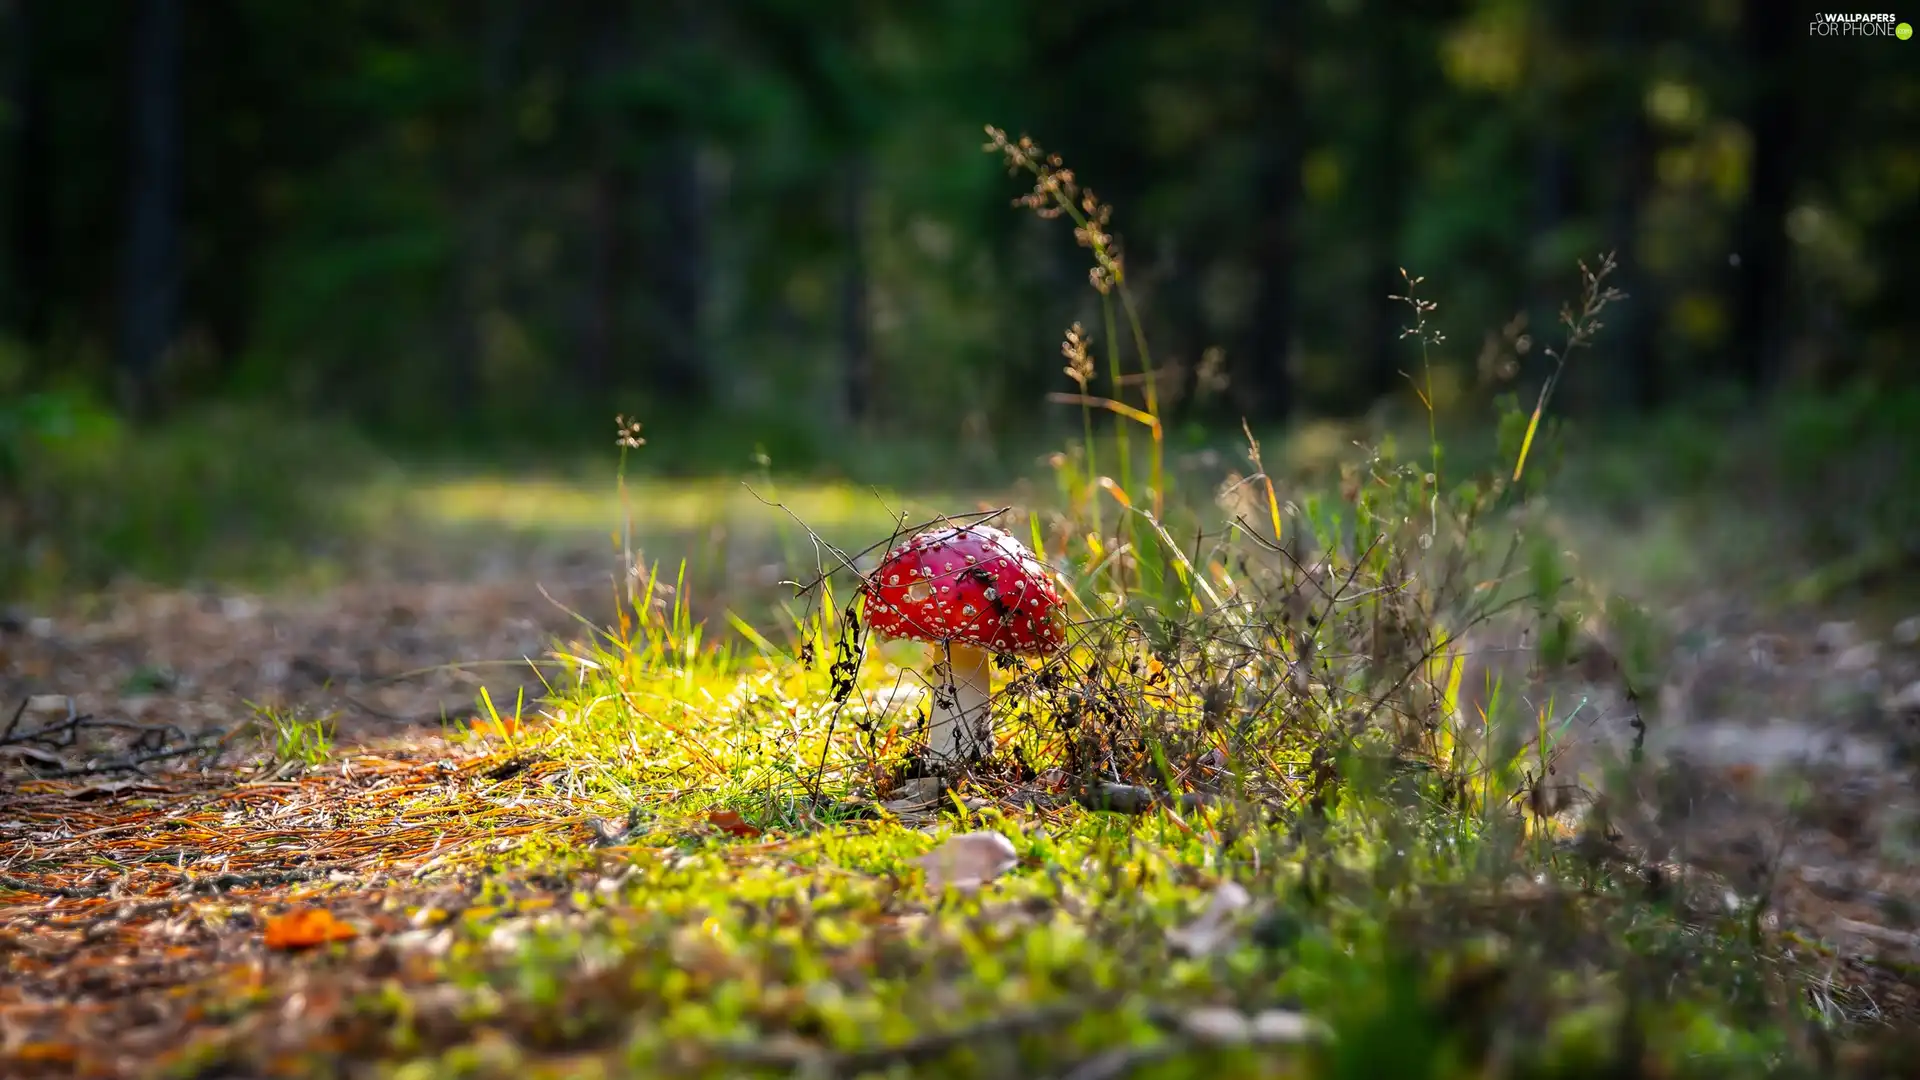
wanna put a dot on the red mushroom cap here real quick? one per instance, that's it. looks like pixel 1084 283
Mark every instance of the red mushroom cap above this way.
pixel 972 584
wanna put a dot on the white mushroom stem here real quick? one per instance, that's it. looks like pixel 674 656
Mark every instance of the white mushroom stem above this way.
pixel 962 682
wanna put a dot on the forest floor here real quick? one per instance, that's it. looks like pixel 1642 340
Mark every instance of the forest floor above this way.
pixel 287 833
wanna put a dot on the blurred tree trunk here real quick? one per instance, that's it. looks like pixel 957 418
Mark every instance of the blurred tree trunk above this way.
pixel 1186 327
pixel 855 325
pixel 1276 198
pixel 1552 175
pixel 1383 171
pixel 681 375
pixel 607 224
pixel 606 271
pixel 1638 382
pixel 222 192
pixel 822 51
pixel 1552 170
pixel 30 232
pixel 678 237
pixel 477 278
pixel 150 282
pixel 1759 276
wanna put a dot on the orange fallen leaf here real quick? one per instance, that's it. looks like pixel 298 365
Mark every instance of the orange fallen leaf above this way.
pixel 304 928
pixel 731 823
pixel 506 727
pixel 46 1053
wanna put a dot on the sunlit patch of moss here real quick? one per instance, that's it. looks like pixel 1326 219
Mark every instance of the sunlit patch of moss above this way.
pixel 825 939
pixel 666 505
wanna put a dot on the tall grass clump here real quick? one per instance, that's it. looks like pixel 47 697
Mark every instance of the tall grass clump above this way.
pixel 1284 621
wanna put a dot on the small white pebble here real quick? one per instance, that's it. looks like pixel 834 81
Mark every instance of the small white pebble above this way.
pixel 1281 1026
pixel 1861 657
pixel 1217 1024
pixel 1835 636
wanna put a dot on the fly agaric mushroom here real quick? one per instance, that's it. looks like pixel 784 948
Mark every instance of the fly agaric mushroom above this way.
pixel 970 591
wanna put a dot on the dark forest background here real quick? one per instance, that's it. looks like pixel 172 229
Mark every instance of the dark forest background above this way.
pixel 774 215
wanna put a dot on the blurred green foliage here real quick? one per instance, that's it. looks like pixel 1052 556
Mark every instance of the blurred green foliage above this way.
pixel 483 222
pixel 86 499
pixel 766 229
